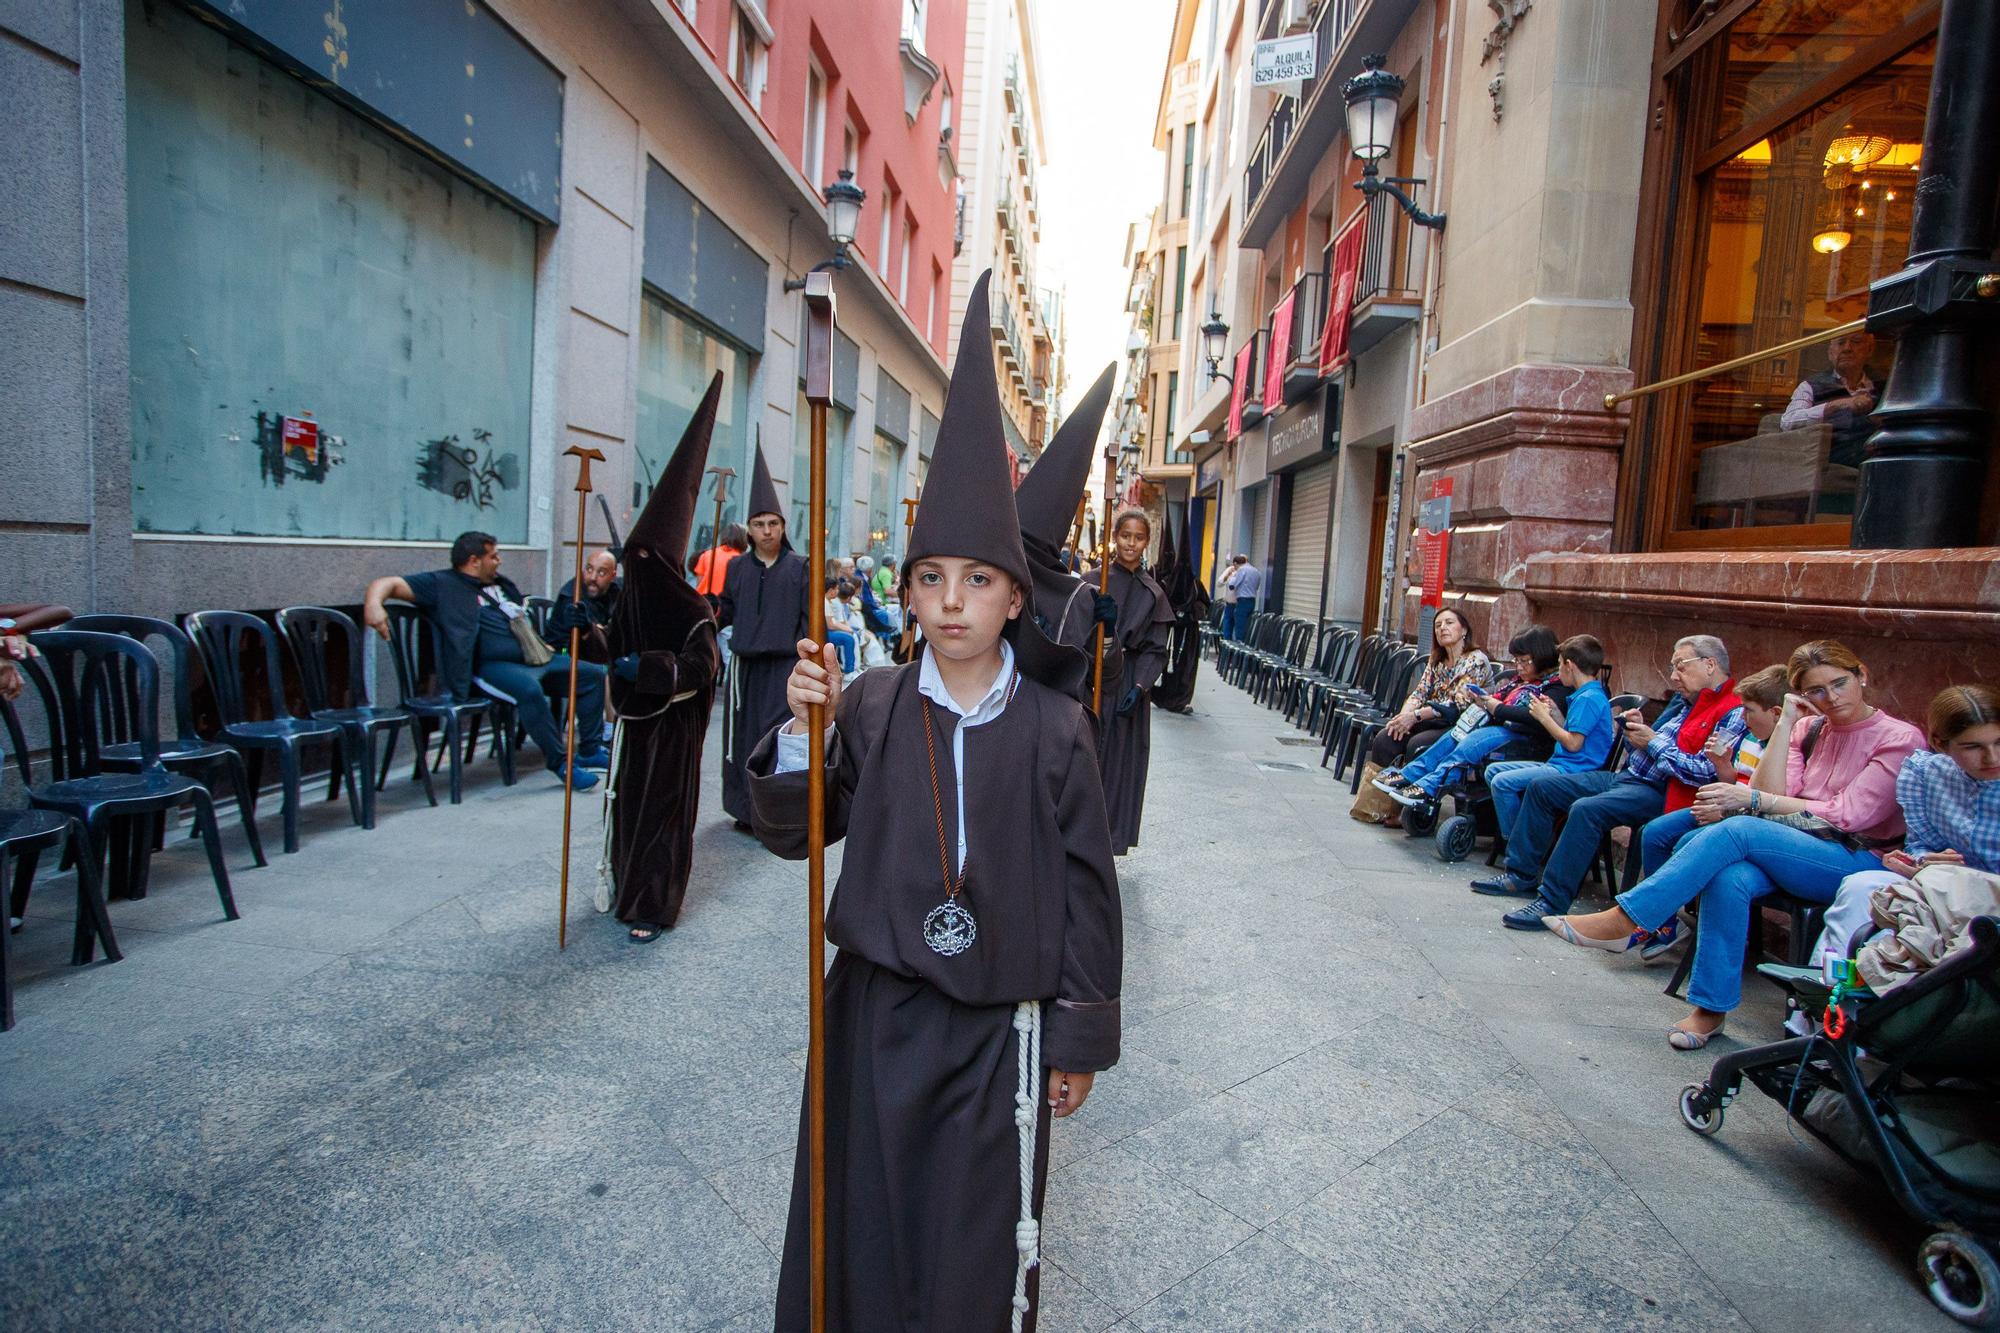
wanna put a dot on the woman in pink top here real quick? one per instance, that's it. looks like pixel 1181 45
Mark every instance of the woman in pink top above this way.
pixel 1839 778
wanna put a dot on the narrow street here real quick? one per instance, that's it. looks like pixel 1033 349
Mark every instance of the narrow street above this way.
pixel 1347 1100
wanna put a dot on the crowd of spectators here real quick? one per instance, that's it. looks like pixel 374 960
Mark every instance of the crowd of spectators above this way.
pixel 1787 780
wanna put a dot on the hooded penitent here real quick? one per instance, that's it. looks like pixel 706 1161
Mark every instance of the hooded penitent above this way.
pixel 967 508
pixel 664 624
pixel 764 607
pixel 1062 605
pixel 1189 601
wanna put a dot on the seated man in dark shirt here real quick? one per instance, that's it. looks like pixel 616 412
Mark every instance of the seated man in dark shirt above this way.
pixel 600 589
pixel 473 607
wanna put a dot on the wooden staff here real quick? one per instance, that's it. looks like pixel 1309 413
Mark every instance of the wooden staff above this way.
pixel 909 633
pixel 1076 528
pixel 584 458
pixel 819 392
pixel 1104 576
pixel 722 476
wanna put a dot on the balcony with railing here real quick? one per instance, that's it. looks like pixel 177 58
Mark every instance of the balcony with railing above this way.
pixel 1305 321
pixel 1386 295
pixel 1300 129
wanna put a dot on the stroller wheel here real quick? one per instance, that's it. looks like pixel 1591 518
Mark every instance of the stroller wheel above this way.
pixel 1699 1110
pixel 1961 1277
pixel 1455 838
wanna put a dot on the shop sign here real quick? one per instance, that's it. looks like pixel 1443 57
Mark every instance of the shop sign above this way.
pixel 1301 433
pixel 1208 473
pixel 1284 60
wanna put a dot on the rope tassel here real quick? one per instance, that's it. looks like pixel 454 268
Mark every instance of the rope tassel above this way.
pixel 1027 1232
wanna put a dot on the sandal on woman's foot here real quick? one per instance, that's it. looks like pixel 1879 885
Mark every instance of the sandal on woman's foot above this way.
pixel 645 933
pixel 1560 925
pixel 1681 1039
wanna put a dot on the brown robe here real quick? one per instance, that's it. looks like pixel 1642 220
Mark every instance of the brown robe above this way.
pixel 766 607
pixel 1125 747
pixel 665 719
pixel 922 1161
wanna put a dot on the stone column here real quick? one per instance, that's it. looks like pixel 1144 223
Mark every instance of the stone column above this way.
pixel 1920 486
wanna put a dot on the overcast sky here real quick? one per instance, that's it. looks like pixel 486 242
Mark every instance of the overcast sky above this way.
pixel 1101 63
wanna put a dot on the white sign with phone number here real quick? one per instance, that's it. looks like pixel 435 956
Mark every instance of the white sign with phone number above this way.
pixel 1284 60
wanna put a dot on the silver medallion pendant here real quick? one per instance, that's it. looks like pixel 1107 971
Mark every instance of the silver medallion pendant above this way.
pixel 950 929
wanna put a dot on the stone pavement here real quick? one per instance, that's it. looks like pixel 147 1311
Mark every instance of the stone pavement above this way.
pixel 1348 1099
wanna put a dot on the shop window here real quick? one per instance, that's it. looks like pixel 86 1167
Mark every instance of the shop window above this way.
pixel 1800 200
pixel 839 462
pixel 677 358
pixel 885 479
pixel 330 335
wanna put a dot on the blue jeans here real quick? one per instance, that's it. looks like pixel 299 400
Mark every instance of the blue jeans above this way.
pixel 521 685
pixel 1596 802
pixel 1428 769
pixel 1239 618
pixel 1506 782
pixel 1658 839
pixel 1729 866
pixel 844 647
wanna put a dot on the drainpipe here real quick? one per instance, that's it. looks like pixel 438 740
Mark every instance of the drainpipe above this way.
pixel 1921 483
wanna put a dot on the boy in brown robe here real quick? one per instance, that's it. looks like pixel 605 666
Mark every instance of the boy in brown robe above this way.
pixel 975 993
pixel 1145 615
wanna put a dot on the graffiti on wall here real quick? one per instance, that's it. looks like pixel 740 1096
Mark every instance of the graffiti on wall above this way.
pixel 464 472
pixel 294 448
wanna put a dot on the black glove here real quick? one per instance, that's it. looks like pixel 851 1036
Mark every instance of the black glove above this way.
pixel 1129 702
pixel 568 615
pixel 1107 610
pixel 626 668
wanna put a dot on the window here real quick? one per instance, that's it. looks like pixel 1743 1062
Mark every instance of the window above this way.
pixel 913 23
pixel 890 200
pixel 1180 289
pixel 903 262
pixel 1802 155
pixel 850 149
pixel 885 484
pixel 677 357
pixel 1173 405
pixel 746 58
pixel 937 303
pixel 1187 166
pixel 945 107
pixel 839 462
pixel 813 161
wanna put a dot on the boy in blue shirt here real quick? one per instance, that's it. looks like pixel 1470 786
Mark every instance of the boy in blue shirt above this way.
pixel 1582 733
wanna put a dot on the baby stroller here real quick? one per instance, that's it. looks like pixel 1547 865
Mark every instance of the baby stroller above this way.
pixel 1908 1084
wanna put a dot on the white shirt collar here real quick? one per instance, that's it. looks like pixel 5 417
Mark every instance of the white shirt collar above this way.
pixel 931 685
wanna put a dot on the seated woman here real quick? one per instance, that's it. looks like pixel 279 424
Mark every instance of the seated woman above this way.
pixel 1950 795
pixel 1836 791
pixel 1763 695
pixel 1496 725
pixel 1435 702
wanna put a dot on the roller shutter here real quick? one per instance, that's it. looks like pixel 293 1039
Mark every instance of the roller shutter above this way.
pixel 1305 549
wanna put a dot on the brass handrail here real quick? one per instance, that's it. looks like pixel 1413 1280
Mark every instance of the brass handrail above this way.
pixel 1612 400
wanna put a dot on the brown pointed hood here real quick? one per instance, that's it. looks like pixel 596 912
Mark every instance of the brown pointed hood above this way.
pixel 967 509
pixel 1047 498
pixel 657 608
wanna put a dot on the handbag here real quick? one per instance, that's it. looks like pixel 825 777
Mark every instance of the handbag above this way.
pixel 534 652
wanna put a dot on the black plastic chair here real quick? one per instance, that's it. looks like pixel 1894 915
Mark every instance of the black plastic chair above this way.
pixel 430 710
pixel 186 753
pixel 222 637
pixel 312 631
pixel 81 675
pixel 24 836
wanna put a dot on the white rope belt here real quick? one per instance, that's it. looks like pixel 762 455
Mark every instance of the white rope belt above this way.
pixel 603 899
pixel 1027 1232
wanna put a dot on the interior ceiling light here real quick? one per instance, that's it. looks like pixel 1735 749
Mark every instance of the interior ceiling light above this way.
pixel 1832 241
pixel 1859 150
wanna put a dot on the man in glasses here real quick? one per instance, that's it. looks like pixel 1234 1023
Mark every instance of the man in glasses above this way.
pixel 1667 764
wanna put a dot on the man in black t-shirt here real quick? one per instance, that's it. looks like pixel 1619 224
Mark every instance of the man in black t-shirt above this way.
pixel 473 607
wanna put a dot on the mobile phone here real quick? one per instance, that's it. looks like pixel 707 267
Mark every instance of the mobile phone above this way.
pixel 1474 689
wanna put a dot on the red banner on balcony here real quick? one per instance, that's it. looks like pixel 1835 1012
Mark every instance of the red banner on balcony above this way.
pixel 1239 386
pixel 1340 296
pixel 1281 352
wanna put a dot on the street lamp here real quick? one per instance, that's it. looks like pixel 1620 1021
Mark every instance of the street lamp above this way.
pixel 843 219
pixel 1215 346
pixel 1373 99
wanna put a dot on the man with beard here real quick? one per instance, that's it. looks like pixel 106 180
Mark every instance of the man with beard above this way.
pixel 764 605
pixel 664 663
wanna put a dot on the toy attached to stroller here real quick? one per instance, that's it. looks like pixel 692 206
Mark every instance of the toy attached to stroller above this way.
pixel 1908 1084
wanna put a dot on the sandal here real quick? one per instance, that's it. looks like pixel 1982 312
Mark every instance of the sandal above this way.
pixel 1683 1040
pixel 636 937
